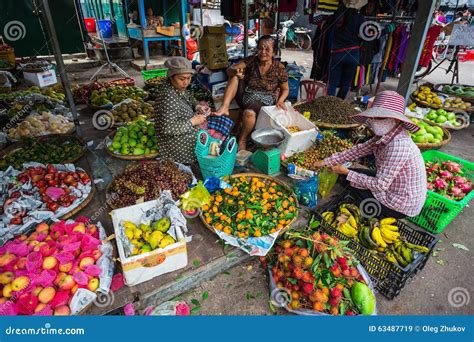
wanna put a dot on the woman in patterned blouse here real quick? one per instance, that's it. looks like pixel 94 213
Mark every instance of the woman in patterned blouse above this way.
pixel 176 122
pixel 261 80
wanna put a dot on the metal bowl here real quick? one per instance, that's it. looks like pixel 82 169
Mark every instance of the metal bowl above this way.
pixel 268 137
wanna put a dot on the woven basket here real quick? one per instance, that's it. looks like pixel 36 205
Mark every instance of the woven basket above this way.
pixel 81 206
pixel 428 146
pixel 425 104
pixel 439 89
pixel 128 157
pixel 266 179
pixel 19 145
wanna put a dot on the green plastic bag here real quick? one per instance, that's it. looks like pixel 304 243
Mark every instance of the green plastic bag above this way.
pixel 195 198
pixel 327 180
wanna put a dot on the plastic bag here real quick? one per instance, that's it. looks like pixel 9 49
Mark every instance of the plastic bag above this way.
pixel 327 180
pixel 307 192
pixel 195 198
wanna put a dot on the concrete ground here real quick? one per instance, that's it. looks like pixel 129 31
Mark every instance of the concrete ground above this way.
pixel 444 287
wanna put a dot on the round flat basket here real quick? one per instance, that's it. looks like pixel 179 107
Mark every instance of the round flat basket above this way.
pixel 63 137
pixel 461 116
pixel 425 104
pixel 329 125
pixel 336 126
pixel 428 146
pixel 110 194
pixel 128 157
pixel 439 89
pixel 81 206
pixel 265 179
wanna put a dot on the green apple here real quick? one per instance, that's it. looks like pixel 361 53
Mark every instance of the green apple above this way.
pixel 441 119
pixel 421 132
pixel 420 139
pixel 451 116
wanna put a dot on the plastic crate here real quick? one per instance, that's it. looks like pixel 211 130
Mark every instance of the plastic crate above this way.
pixel 219 166
pixel 439 211
pixel 147 74
pixel 388 278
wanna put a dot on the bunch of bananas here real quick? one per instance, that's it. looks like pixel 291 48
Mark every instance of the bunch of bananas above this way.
pixel 377 235
pixel 346 220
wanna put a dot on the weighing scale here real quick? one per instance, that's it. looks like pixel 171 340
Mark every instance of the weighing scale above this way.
pixel 267 158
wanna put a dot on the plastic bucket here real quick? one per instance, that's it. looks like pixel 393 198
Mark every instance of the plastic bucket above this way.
pixel 90 24
pixel 105 27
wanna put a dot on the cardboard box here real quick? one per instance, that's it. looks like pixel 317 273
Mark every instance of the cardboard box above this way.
pixel 270 116
pixel 140 268
pixel 212 47
pixel 169 31
pixel 41 79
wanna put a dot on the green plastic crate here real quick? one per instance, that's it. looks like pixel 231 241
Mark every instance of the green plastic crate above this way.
pixel 439 211
pixel 147 74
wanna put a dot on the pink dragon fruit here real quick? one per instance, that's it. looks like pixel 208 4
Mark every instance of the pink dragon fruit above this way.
pixel 466 187
pixel 452 167
pixel 430 186
pixel 456 191
pixel 440 184
pixel 458 180
pixel 446 175
pixel 430 167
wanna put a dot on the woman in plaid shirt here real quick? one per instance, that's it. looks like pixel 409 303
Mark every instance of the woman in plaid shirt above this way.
pixel 399 184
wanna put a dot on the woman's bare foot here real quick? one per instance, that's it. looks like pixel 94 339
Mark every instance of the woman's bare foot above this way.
pixel 223 110
pixel 242 145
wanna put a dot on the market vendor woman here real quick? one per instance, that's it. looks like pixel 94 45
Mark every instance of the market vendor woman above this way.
pixel 256 81
pixel 399 183
pixel 176 121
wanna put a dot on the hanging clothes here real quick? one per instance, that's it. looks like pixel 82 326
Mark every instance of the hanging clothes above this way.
pixel 327 6
pixel 426 54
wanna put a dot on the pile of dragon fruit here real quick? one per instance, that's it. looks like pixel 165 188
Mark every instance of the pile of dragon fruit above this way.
pixel 447 179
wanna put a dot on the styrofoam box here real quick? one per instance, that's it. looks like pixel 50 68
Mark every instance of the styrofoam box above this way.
pixel 41 79
pixel 140 268
pixel 273 117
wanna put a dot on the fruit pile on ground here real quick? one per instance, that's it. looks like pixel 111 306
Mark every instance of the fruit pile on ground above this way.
pixel 427 133
pixel 251 206
pixel 40 273
pixel 379 235
pixel 327 146
pixel 447 179
pixel 320 274
pixel 113 95
pixel 132 111
pixel 51 190
pixel 148 237
pixel 54 93
pixel 54 150
pixel 44 124
pixel 10 97
pixel 145 181
pixel 137 139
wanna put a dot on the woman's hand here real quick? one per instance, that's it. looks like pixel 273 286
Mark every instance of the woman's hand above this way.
pixel 319 164
pixel 340 169
pixel 198 120
pixel 281 105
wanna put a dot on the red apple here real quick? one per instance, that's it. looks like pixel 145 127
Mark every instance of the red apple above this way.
pixel 86 262
pixel 67 282
pixel 93 284
pixel 47 294
pixel 62 310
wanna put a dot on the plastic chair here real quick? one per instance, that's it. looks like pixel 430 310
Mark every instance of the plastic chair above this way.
pixel 311 89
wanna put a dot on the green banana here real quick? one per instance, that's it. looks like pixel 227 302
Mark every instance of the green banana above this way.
pixel 371 243
pixel 418 248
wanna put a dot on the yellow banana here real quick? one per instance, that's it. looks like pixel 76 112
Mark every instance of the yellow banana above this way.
pixel 391 257
pixel 389 236
pixel 377 237
pixel 352 222
pixel 345 211
pixel 388 220
pixel 389 227
pixel 347 229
